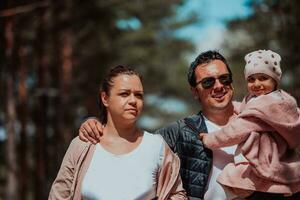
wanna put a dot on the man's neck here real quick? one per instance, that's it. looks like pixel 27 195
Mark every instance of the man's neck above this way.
pixel 220 117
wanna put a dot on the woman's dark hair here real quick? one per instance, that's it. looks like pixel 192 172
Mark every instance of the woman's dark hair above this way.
pixel 107 83
pixel 205 57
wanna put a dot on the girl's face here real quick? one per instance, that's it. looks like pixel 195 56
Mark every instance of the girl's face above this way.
pixel 125 100
pixel 260 84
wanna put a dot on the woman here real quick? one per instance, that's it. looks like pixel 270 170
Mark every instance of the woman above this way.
pixel 127 163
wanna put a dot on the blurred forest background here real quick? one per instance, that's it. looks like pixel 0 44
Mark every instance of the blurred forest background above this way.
pixel 53 55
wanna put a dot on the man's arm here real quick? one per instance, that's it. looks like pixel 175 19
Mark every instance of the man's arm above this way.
pixel 91 130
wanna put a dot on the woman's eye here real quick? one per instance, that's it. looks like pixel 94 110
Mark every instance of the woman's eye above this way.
pixel 124 94
pixel 140 96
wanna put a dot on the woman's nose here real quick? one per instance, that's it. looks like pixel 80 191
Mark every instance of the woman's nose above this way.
pixel 132 98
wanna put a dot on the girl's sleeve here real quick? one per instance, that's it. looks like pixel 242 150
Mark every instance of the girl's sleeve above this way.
pixel 169 182
pixel 235 132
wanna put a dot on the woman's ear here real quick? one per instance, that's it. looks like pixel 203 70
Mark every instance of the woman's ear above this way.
pixel 104 98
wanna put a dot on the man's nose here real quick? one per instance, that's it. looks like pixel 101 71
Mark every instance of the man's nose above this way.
pixel 218 84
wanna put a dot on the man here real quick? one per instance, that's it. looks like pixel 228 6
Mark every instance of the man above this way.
pixel 210 79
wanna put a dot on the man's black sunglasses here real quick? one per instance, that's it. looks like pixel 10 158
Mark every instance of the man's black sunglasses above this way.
pixel 208 82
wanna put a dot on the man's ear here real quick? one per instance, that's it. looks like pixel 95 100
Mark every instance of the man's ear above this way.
pixel 194 92
pixel 104 98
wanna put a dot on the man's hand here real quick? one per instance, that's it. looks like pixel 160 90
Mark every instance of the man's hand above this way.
pixel 91 130
pixel 202 137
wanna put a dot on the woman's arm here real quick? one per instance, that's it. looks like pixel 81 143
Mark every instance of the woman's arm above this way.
pixel 63 186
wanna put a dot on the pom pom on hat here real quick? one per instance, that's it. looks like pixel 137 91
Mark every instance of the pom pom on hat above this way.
pixel 265 62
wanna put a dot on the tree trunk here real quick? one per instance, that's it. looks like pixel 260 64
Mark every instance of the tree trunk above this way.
pixel 65 86
pixel 23 97
pixel 41 109
pixel 64 104
pixel 12 186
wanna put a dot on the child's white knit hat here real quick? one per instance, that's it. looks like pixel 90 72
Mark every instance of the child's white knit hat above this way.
pixel 265 62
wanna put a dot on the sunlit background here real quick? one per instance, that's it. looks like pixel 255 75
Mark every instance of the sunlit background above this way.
pixel 53 55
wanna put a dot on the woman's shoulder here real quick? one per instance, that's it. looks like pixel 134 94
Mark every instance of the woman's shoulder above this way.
pixel 154 141
pixel 79 143
pixel 77 146
pixel 154 137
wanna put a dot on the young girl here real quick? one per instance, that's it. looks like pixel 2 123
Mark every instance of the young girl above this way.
pixel 267 131
pixel 127 163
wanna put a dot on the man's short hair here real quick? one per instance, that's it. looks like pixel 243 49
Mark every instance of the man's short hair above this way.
pixel 205 57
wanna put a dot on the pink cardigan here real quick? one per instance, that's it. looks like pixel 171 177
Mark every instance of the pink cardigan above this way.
pixel 67 184
pixel 266 131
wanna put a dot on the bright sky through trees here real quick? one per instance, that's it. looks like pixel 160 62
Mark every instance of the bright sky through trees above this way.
pixel 207 32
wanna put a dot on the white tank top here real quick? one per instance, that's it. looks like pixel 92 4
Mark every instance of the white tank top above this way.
pixel 125 177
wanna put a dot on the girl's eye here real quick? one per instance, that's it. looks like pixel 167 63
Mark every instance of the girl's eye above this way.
pixel 251 80
pixel 263 78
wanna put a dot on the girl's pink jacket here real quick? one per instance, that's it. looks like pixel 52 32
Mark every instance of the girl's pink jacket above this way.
pixel 67 184
pixel 267 131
